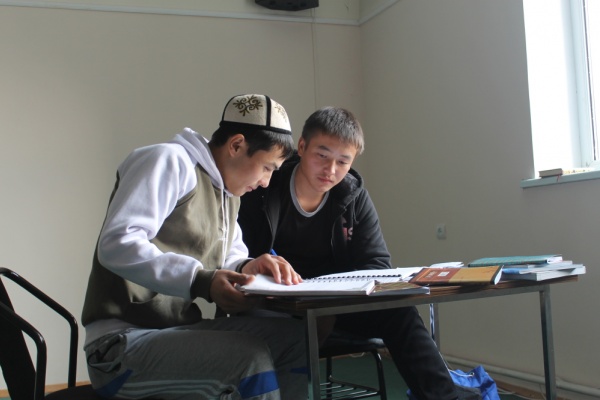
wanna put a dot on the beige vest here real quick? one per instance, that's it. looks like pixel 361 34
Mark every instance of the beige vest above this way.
pixel 194 228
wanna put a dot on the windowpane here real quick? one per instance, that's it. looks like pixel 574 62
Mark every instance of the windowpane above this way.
pixel 563 61
pixel 552 84
pixel 593 48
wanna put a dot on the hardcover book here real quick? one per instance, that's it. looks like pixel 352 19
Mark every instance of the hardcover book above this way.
pixel 458 276
pixel 577 269
pixel 516 260
pixel 529 268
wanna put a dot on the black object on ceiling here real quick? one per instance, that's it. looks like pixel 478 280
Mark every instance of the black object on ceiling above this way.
pixel 288 5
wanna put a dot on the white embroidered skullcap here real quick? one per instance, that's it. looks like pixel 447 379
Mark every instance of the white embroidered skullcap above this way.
pixel 255 111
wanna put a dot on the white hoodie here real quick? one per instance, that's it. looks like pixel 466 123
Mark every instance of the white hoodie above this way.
pixel 152 180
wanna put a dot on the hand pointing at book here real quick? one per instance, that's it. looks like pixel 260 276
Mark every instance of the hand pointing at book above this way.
pixel 275 266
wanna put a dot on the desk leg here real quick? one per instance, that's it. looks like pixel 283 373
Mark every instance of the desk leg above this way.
pixel 548 343
pixel 314 388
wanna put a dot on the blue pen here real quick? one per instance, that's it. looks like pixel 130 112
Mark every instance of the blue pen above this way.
pixel 272 252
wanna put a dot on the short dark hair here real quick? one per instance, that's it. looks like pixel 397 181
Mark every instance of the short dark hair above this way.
pixel 257 139
pixel 337 122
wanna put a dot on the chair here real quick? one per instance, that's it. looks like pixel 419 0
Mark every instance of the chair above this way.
pixel 342 344
pixel 24 380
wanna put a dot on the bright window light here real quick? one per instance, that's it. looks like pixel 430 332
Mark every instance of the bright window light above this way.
pixel 563 40
pixel 592 26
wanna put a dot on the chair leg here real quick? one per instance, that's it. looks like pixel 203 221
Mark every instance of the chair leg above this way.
pixel 328 368
pixel 328 375
pixel 380 374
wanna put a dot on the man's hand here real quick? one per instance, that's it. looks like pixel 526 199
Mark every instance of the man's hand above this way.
pixel 226 296
pixel 277 267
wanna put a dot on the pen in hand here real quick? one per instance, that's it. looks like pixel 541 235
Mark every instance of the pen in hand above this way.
pixel 298 278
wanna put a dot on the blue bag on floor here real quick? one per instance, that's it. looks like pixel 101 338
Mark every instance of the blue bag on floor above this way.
pixel 477 378
pixel 475 384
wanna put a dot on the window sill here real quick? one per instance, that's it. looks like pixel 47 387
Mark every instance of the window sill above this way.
pixel 556 180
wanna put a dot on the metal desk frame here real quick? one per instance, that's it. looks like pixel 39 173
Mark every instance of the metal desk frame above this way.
pixel 312 308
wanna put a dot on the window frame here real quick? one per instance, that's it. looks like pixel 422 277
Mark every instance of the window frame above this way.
pixel 583 78
pixel 577 120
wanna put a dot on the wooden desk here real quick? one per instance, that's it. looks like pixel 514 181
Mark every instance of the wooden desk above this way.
pixel 311 308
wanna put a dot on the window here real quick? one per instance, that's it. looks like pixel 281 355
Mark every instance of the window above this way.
pixel 563 57
pixel 592 34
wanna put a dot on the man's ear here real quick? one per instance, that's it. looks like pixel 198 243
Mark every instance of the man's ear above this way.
pixel 235 144
pixel 301 146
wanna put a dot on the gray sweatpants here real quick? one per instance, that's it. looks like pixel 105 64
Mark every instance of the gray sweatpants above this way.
pixel 224 358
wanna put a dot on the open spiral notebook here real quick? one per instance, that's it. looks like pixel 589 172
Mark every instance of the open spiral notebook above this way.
pixel 373 282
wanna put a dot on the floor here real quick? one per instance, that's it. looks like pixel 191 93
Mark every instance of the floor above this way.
pixel 361 369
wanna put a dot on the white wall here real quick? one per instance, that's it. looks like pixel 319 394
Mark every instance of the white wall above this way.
pixel 446 106
pixel 81 89
pixel 441 89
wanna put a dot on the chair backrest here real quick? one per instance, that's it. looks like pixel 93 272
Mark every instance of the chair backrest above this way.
pixel 23 380
pixel 15 359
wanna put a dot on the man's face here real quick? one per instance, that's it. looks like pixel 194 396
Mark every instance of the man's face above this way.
pixel 247 173
pixel 325 161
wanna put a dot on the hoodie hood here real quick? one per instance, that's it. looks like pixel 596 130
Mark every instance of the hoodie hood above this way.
pixel 197 147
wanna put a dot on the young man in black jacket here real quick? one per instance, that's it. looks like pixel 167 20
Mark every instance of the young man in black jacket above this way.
pixel 317 202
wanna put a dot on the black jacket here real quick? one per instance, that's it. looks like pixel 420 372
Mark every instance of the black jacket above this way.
pixel 356 238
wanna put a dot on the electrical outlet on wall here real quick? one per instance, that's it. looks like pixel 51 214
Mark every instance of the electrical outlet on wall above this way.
pixel 440 231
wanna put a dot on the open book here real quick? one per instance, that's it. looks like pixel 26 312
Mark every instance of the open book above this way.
pixel 375 282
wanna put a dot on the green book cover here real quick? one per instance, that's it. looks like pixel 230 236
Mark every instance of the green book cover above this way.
pixel 516 260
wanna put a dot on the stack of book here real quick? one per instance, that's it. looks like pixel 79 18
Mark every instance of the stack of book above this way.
pixel 532 268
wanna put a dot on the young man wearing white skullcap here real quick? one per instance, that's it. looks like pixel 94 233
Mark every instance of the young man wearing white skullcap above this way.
pixel 170 236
